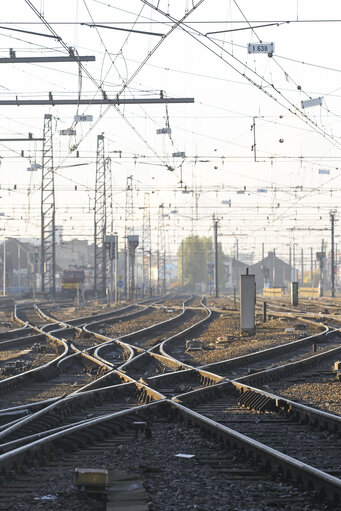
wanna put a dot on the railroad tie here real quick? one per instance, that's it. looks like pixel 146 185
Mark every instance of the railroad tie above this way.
pixel 255 401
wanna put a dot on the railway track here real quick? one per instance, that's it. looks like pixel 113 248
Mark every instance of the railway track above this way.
pixel 51 380
pixel 271 420
pixel 239 416
pixel 63 378
pixel 272 357
pixel 98 442
pixel 23 353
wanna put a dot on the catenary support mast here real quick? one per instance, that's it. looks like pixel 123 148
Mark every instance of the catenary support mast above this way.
pixel 48 211
pixel 100 220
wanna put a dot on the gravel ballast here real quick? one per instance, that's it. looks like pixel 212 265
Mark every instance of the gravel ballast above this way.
pixel 214 479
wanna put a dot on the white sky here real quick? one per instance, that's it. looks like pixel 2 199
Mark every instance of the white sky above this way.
pixel 214 132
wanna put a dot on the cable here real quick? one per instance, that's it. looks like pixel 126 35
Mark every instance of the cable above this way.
pixel 296 110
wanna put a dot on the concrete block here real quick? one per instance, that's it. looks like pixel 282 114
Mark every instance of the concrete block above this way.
pixel 194 344
pixel 91 477
pixel 337 365
pixel 289 330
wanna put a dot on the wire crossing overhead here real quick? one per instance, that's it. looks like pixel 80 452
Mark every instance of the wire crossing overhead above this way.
pixel 48 246
pixel 100 221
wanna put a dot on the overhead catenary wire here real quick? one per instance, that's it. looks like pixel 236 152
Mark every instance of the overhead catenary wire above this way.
pixel 288 157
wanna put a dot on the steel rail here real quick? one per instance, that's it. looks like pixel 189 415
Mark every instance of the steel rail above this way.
pixel 267 353
pixel 61 409
pixel 119 340
pixel 184 332
pixel 270 458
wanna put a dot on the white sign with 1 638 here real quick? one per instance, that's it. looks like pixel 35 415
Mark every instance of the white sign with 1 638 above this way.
pixel 261 48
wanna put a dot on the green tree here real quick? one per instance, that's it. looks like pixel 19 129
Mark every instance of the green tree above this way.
pixel 198 253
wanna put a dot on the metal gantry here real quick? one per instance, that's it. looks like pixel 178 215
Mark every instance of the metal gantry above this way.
pixel 161 250
pixel 147 248
pixel 48 211
pixel 100 220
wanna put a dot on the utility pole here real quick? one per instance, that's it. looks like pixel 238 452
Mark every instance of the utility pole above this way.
pixel 19 269
pixel 332 222
pixel 132 244
pixel 4 269
pixel 158 271
pixel 147 248
pixel 111 242
pixel 182 264
pixel 263 251
pixel 116 271
pixel 108 195
pixel 336 259
pixel 109 211
pixel 290 267
pixel 321 258
pixel 161 251
pixel 311 266
pixel 48 209
pixel 128 230
pixel 274 267
pixel 237 264
pixel 254 146
pixel 294 261
pixel 302 267
pixel 100 221
pixel 215 245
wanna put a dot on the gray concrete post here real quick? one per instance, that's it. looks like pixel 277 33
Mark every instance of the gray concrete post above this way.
pixel 294 293
pixel 247 303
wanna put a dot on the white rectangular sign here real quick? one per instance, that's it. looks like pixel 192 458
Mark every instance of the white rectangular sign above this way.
pixel 163 131
pixel 67 132
pixel 260 47
pixel 311 102
pixel 83 118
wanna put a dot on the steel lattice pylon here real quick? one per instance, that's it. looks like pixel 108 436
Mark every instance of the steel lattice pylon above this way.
pixel 47 246
pixel 109 197
pixel 161 243
pixel 100 220
pixel 146 247
pixel 128 230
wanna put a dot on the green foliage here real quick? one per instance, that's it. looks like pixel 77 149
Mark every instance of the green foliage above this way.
pixel 198 253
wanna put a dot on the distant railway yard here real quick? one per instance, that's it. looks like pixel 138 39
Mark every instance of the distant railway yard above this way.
pixel 170 256
pixel 166 404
